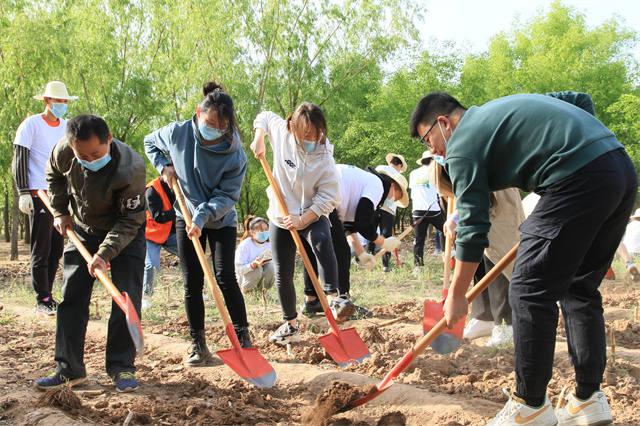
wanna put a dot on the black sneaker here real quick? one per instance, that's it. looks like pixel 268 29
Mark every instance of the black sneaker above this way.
pixel 360 313
pixel 243 337
pixel 45 308
pixel 311 308
pixel 342 308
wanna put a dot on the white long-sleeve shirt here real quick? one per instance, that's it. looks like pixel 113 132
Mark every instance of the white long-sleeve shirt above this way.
pixel 305 183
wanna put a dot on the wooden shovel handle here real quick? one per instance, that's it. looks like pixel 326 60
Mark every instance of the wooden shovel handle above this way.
pixel 295 234
pixel 102 275
pixel 447 250
pixel 217 297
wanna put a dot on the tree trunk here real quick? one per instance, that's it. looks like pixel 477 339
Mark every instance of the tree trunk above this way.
pixel 15 224
pixel 7 238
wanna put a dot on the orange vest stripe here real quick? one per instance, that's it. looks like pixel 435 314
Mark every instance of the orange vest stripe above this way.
pixel 158 232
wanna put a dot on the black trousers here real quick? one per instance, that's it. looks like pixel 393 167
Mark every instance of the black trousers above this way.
pixel 384 219
pixel 566 247
pixel 420 232
pixel 316 239
pixel 127 270
pixel 222 243
pixel 343 257
pixel 493 303
pixel 46 249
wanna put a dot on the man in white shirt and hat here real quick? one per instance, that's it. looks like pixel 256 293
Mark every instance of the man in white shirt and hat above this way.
pixel 35 139
pixel 425 204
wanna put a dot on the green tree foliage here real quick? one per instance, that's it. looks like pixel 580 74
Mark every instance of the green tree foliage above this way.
pixel 555 51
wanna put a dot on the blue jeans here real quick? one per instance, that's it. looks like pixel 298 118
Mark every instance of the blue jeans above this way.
pixel 152 261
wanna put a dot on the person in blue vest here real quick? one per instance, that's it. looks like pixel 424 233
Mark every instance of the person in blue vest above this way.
pixel 553 145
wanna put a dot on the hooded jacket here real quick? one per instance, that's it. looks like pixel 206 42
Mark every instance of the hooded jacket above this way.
pixel 306 180
pixel 210 177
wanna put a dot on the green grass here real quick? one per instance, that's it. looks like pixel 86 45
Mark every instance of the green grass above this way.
pixel 368 288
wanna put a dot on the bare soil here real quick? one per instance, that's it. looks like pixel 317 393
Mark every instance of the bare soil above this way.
pixel 462 388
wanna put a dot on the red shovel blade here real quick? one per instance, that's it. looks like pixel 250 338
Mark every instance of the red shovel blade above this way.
pixel 133 321
pixel 449 340
pixel 344 346
pixel 247 363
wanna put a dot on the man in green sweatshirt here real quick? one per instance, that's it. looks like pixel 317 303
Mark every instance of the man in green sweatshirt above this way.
pixel 552 145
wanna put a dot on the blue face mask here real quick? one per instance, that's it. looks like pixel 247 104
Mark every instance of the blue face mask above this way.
pixel 262 236
pixel 95 165
pixel 439 159
pixel 59 110
pixel 210 133
pixel 388 203
pixel 309 146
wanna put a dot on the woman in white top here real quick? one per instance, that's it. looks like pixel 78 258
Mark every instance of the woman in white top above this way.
pixel 306 175
pixel 253 256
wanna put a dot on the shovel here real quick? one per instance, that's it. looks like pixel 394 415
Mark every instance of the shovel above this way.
pixel 344 346
pixel 122 299
pixel 400 237
pixel 450 340
pixel 248 363
pixel 428 338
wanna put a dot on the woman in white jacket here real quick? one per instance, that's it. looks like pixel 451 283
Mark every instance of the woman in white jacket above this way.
pixel 306 175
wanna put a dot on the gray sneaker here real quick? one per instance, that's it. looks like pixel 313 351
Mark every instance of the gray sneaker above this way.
pixel 285 334
pixel 46 309
pixel 342 308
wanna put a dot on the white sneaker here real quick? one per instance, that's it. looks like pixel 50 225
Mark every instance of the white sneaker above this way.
pixel 516 412
pixel 591 412
pixel 633 271
pixel 416 271
pixel 341 307
pixel 146 303
pixel 501 335
pixel 477 328
pixel 437 253
pixel 285 334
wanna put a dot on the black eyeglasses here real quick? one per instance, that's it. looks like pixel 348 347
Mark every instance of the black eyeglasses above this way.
pixel 428 145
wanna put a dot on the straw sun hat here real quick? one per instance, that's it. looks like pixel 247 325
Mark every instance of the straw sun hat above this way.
pixel 55 90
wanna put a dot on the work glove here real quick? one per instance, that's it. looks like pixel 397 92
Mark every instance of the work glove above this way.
pixel 26 204
pixel 390 244
pixel 367 260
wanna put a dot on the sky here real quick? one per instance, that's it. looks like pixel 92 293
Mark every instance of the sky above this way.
pixel 476 21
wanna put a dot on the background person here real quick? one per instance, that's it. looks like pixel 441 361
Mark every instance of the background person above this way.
pixel 253 256
pixel 35 139
pixel 160 232
pixel 109 220
pixel 425 204
pixel 210 165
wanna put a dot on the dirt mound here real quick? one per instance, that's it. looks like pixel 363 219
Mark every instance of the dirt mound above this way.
pixel 329 402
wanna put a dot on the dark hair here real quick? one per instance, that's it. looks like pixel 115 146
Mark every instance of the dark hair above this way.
pixel 395 161
pixel 251 224
pixel 430 108
pixel 216 98
pixel 83 126
pixel 426 161
pixel 307 114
